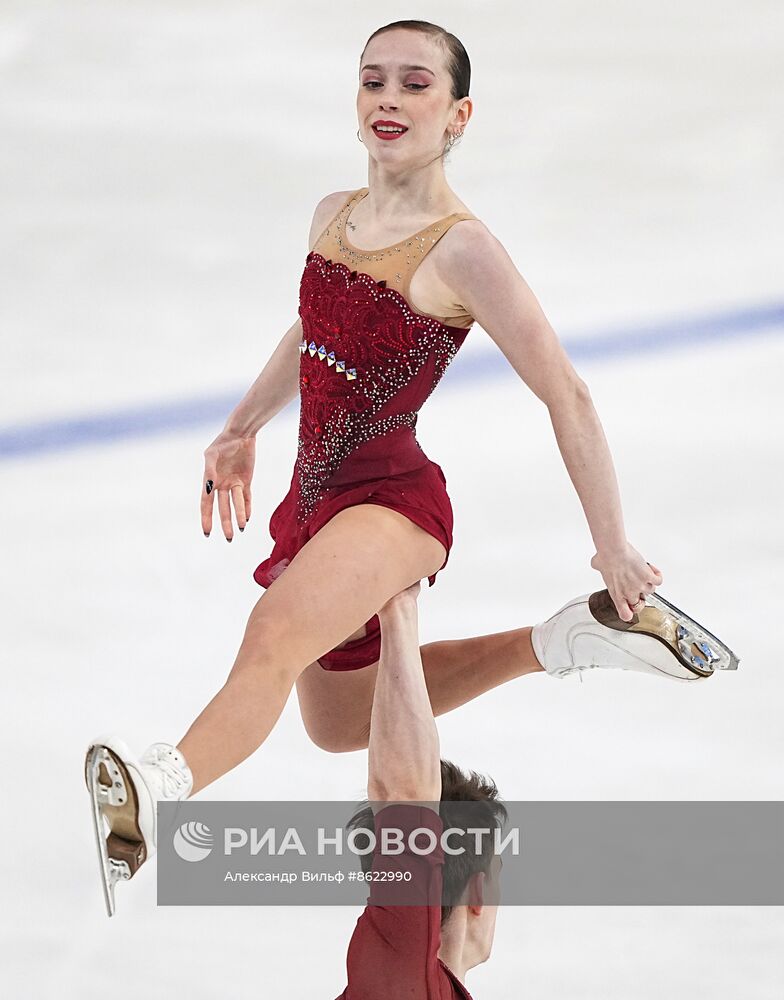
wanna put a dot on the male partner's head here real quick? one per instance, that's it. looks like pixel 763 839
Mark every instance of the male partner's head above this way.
pixel 469 926
pixel 416 75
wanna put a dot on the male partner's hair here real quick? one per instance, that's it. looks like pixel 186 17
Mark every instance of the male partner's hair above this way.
pixel 458 62
pixel 456 786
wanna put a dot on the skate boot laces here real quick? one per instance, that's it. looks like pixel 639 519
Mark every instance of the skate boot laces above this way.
pixel 170 763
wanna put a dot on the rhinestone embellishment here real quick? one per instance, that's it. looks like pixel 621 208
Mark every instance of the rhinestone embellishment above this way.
pixel 390 357
pixel 400 355
pixel 340 366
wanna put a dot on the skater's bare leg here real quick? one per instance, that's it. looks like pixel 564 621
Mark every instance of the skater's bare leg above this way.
pixel 335 705
pixel 458 670
pixel 351 567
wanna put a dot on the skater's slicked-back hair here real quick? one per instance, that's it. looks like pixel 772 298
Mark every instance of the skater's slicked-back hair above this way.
pixel 457 57
pixel 456 786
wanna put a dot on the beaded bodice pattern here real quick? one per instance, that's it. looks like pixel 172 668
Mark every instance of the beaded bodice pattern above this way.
pixel 368 361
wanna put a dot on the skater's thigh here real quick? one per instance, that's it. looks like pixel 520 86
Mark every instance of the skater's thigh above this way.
pixel 335 706
pixel 339 579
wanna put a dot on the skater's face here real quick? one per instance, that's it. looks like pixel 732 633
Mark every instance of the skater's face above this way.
pixel 419 98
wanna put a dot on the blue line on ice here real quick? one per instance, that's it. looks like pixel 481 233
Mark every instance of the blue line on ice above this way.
pixel 165 417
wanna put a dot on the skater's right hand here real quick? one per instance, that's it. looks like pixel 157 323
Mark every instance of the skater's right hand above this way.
pixel 228 465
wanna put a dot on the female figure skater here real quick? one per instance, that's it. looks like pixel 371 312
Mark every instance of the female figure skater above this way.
pixel 395 275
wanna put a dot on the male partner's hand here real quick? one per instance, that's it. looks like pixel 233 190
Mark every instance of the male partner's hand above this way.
pixel 626 575
pixel 228 470
pixel 403 601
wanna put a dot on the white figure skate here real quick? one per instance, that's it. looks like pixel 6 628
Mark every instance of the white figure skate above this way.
pixel 124 792
pixel 660 639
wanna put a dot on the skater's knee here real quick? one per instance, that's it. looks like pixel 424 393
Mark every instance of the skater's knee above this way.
pixel 271 631
pixel 334 740
pixel 333 743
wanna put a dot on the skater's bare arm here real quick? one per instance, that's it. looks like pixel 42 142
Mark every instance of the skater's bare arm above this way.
pixel 276 386
pixel 229 460
pixel 278 382
pixel 498 297
pixel 483 277
pixel 403 750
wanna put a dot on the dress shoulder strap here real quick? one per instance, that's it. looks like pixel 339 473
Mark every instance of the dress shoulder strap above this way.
pixel 421 245
pixel 339 215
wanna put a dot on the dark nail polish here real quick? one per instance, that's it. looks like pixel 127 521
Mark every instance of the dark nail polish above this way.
pixel 241 529
pixel 206 534
pixel 208 486
pixel 228 539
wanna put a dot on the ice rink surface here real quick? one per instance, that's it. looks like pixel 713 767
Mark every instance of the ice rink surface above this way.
pixel 159 166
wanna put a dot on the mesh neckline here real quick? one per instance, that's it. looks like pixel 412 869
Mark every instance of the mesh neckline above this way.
pixel 362 193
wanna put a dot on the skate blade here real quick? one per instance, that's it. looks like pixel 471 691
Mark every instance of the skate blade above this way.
pixel 121 849
pixel 702 650
pixel 696 649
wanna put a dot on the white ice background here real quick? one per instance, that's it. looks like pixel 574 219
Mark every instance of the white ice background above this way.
pixel 159 165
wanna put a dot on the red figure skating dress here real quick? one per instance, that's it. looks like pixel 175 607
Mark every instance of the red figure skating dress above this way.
pixel 368 361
